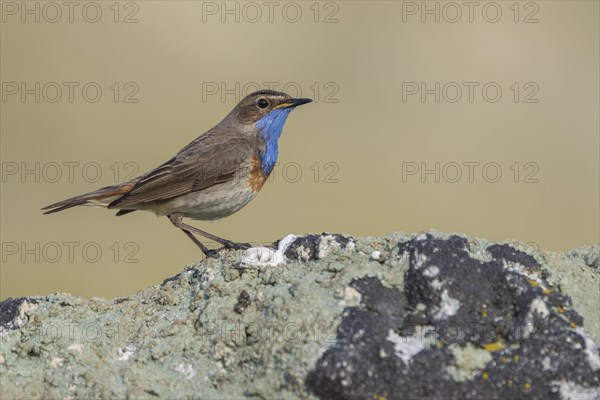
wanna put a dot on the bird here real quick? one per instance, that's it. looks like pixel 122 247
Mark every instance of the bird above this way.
pixel 214 176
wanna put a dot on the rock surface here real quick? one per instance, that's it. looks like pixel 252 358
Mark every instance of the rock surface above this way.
pixel 431 316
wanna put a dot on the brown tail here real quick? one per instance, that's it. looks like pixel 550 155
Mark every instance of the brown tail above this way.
pixel 100 197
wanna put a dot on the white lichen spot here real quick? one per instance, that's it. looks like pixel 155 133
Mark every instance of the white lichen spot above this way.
pixel 379 256
pixel 187 370
pixel 572 391
pixel 352 294
pixel 522 270
pixel 56 362
pixel 350 246
pixel 382 353
pixel 591 349
pixel 286 242
pixel 547 364
pixel 469 361
pixel 24 309
pixel 78 347
pixel 406 347
pixel 538 306
pixel 431 272
pixel 420 260
pixel 208 275
pixel 436 284
pixel 448 306
pixel 262 257
pixel 358 335
pixel 258 257
pixel 327 245
pixel 223 353
pixel 124 353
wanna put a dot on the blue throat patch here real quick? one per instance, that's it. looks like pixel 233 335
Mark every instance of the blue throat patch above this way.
pixel 270 127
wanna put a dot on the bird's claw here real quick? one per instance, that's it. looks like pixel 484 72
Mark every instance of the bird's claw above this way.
pixel 211 253
pixel 214 253
pixel 238 246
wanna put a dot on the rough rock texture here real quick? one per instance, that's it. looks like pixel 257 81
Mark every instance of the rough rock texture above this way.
pixel 430 316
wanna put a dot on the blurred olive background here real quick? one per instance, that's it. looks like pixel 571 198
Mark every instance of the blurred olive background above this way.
pixel 179 69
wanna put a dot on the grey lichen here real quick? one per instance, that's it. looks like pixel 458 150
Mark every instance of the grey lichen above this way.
pixel 264 323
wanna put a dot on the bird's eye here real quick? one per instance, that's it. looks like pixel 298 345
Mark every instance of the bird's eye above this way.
pixel 262 103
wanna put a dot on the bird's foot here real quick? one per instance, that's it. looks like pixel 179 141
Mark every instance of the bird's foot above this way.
pixel 236 246
pixel 212 253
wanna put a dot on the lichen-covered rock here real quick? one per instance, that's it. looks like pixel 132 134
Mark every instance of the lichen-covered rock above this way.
pixel 462 328
pixel 402 316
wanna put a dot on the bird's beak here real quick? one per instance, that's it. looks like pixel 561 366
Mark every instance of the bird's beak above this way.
pixel 294 103
pixel 299 102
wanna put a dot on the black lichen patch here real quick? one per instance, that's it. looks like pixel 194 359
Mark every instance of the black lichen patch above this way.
pixel 309 244
pixel 9 311
pixel 243 302
pixel 379 299
pixel 306 248
pixel 399 345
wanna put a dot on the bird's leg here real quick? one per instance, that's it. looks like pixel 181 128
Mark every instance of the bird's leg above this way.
pixel 188 228
pixel 227 243
pixel 176 220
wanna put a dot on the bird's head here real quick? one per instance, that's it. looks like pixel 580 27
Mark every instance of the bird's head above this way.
pixel 263 113
pixel 265 109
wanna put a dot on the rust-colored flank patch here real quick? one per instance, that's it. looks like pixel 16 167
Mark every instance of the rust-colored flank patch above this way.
pixel 257 178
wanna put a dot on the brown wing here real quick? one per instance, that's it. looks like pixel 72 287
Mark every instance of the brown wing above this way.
pixel 207 161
